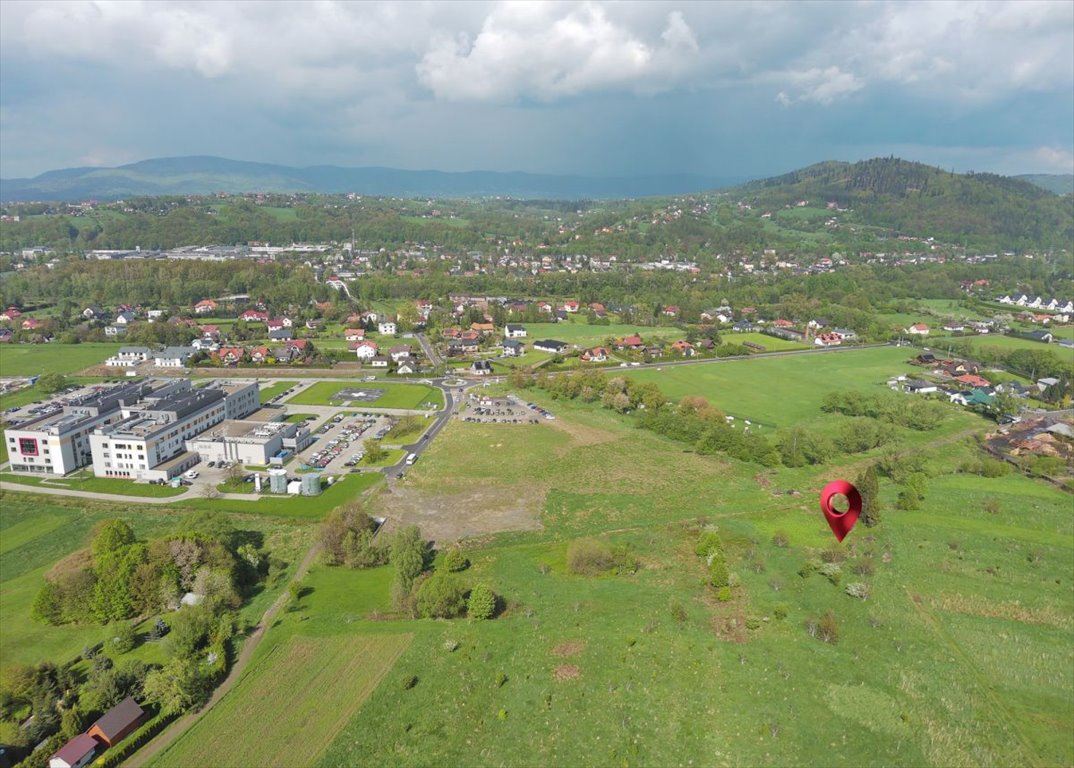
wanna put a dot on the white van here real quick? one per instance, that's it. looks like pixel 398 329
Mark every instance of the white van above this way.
pixel 411 459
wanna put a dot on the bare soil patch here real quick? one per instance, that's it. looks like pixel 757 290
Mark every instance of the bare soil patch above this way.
pixel 450 516
pixel 583 435
pixel 571 648
pixel 566 672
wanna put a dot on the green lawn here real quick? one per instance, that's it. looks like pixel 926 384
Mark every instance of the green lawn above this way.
pixel 770 343
pixel 87 482
pixel 1012 342
pixel 36 359
pixel 416 396
pixel 269 391
pixel 392 457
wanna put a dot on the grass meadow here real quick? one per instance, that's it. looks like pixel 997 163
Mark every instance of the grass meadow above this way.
pixel 395 395
pixel 36 359
pixel 269 391
pixel 586 335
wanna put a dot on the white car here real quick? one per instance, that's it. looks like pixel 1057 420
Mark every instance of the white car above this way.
pixel 191 475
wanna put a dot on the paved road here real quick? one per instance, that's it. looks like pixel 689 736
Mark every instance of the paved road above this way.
pixel 430 350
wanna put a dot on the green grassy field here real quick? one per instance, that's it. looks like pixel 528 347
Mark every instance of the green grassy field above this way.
pixel 29 394
pixel 395 395
pixel 392 457
pixel 781 391
pixel 1013 342
pixel 36 359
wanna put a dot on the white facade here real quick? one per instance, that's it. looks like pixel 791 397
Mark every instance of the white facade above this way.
pixel 386 328
pixel 249 442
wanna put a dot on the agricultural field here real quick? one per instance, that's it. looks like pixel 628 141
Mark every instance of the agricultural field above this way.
pixel 301 692
pixel 585 335
pixel 959 654
pixel 392 395
pixel 1013 342
pixel 36 359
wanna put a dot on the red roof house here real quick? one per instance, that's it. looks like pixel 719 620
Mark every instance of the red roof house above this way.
pixel 75 753
pixel 118 722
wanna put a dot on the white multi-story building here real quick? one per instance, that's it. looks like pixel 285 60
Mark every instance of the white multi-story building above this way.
pixel 59 443
pixel 386 328
pixel 149 442
pixel 249 442
pixel 129 357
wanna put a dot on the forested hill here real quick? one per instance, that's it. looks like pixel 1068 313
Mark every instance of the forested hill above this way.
pixel 1060 183
pixel 209 175
pixel 917 199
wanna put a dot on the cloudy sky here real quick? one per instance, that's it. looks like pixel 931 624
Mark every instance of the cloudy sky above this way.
pixel 721 88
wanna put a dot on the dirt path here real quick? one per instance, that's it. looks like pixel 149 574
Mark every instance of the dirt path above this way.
pixel 164 739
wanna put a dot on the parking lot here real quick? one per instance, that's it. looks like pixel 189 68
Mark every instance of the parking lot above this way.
pixel 501 410
pixel 338 441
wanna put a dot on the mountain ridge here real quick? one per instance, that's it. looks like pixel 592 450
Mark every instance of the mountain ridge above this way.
pixel 207 174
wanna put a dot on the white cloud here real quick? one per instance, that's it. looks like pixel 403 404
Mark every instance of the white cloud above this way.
pixel 547 51
pixel 822 86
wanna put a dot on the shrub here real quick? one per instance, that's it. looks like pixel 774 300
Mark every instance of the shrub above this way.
pixel 409 681
pixel 825 629
pixel 809 567
pixel 440 597
pixel 625 561
pixel 752 622
pixel 780 539
pixel 833 572
pixel 481 604
pixel 707 543
pixel 125 637
pixel 586 557
pixel 501 680
pixel 719 576
pixel 858 589
pixel 723 594
pixel 780 611
pixel 455 561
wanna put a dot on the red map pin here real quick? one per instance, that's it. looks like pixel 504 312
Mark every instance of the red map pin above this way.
pixel 840 522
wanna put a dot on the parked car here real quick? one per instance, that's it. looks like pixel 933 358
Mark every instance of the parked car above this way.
pixel 191 475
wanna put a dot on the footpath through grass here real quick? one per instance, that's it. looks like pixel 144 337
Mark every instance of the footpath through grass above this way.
pixel 93 484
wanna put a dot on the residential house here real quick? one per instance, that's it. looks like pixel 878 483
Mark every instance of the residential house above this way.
pixel 93 312
pixel 5 335
pixel 1043 384
pixel 544 307
pixel 743 326
pixel 1045 337
pixel 595 355
pixel 115 330
pixel 205 307
pixel 781 323
pixel 570 306
pixel 828 340
pixel 919 387
pixel 155 314
pixel 124 318
pixel 274 325
pixel 32 324
pixel 75 753
pixel 715 316
pixel 354 334
pixel 205 344
pixel 671 311
pixel 118 722
pixel 228 355
pixel 926 358
pixel 210 331
pixel 846 334
pixel 483 328
pixel 406 366
pixel 386 328
pixel 379 362
pixel 366 350
pixel 399 353
pixel 128 357
pixel 514 331
pixel 512 348
pixel 259 355
pixel 481 367
pixel 684 348
pixel 550 345
pixel 598 309
pixel 369 316
pixel 281 334
pixel 314 324
pixel 301 345
pixel 172 357
pixel 918 329
pixel 973 380
pixel 254 316
pixel 630 343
